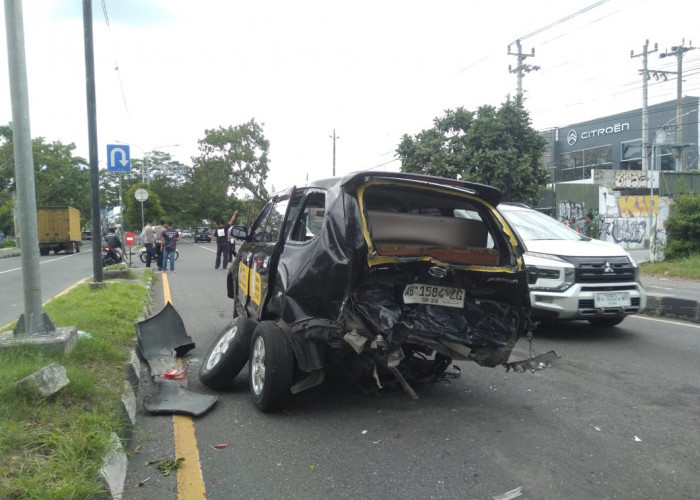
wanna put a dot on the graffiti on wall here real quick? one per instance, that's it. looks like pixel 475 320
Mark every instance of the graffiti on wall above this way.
pixel 658 243
pixel 625 229
pixel 575 209
pixel 637 206
pixel 630 179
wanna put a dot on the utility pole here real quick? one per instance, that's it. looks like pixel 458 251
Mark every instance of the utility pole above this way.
pixel 334 137
pixel 34 321
pixel 521 68
pixel 679 51
pixel 645 113
pixel 92 142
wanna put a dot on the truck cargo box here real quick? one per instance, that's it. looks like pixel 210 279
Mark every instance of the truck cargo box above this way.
pixel 59 229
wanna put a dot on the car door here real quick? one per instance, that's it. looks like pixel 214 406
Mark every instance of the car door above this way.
pixel 257 254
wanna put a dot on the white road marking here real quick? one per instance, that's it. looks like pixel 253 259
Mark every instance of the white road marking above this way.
pixel 670 321
pixel 43 262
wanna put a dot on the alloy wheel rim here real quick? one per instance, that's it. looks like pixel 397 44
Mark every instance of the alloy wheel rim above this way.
pixel 221 347
pixel 258 365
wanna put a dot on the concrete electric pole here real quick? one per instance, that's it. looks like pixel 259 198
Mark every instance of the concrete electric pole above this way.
pixel 521 68
pixel 679 51
pixel 334 137
pixel 34 321
pixel 645 113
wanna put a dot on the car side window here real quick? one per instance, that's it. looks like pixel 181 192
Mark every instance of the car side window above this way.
pixel 310 221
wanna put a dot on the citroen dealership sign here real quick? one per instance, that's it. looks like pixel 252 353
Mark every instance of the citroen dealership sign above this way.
pixel 573 136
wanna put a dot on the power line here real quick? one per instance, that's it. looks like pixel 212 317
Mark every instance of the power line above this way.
pixel 562 20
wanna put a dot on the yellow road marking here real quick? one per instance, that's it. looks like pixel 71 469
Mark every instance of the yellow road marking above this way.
pixel 190 484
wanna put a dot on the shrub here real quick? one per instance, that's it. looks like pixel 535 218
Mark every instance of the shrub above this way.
pixel 683 228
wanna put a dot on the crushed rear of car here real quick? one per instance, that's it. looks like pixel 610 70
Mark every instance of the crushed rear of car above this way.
pixel 384 278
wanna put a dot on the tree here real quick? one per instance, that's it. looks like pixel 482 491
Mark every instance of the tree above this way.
pixel 240 154
pixel 683 228
pixel 60 178
pixel 492 146
pixel 151 207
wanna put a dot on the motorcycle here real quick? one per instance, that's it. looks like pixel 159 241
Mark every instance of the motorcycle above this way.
pixel 111 255
pixel 142 255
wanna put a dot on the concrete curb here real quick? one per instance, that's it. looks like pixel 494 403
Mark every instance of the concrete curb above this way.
pixel 4 254
pixel 115 463
pixel 672 307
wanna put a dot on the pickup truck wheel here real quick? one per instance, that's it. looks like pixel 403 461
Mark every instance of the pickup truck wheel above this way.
pixel 228 355
pixel 603 322
pixel 271 367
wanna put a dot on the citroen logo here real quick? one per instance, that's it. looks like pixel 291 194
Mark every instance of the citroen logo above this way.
pixel 437 272
pixel 608 268
pixel 571 137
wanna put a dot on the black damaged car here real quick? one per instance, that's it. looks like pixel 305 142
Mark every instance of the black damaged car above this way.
pixel 382 277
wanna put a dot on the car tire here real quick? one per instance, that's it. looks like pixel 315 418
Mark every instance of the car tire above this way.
pixel 271 367
pixel 605 322
pixel 228 354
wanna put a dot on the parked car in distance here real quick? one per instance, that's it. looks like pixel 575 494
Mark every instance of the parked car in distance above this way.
pixel 186 233
pixel 378 279
pixel 202 234
pixel 574 277
pixel 86 235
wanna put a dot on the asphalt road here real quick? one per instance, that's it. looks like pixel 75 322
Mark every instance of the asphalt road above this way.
pixel 617 417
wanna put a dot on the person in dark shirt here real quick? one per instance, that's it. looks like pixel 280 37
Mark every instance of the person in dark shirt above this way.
pixel 169 244
pixel 222 243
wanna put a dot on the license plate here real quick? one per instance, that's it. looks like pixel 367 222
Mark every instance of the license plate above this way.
pixel 612 299
pixel 430 294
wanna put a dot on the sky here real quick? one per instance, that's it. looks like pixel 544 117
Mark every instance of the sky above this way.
pixel 369 71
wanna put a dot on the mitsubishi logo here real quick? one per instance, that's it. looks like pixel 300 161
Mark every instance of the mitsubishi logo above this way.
pixel 571 137
pixel 608 268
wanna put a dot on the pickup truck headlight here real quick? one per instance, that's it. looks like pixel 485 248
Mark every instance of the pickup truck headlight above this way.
pixel 548 272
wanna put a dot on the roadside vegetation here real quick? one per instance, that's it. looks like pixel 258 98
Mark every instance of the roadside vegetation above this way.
pixel 53 447
pixel 685 268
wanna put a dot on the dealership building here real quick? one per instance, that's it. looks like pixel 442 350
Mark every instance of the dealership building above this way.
pixel 615 142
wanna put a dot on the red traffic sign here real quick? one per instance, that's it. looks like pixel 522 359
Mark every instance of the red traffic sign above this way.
pixel 129 238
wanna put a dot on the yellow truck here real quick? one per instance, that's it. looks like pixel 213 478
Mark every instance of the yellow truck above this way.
pixel 59 229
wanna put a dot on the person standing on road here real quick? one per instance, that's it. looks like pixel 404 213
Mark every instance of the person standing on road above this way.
pixel 222 244
pixel 158 232
pixel 148 238
pixel 169 244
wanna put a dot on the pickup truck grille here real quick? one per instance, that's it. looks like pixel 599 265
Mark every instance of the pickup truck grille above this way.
pixel 603 269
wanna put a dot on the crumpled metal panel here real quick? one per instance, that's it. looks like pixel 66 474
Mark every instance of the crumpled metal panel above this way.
pixel 161 340
pixel 171 397
pixel 163 337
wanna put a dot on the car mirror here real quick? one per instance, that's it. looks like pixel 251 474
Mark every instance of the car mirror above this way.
pixel 239 232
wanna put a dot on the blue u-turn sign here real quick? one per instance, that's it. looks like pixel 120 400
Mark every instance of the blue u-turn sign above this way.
pixel 118 158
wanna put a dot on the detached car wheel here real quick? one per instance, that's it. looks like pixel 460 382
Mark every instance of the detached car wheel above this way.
pixel 605 321
pixel 271 367
pixel 228 355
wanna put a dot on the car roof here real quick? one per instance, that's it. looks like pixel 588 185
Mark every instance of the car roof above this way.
pixel 490 194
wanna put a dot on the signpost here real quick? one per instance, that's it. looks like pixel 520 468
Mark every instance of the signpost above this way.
pixel 141 195
pixel 118 158
pixel 129 240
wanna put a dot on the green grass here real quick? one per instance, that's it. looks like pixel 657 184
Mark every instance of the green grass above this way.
pixel 688 268
pixel 53 447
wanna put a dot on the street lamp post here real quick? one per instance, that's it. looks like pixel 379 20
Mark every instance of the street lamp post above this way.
pixel 652 217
